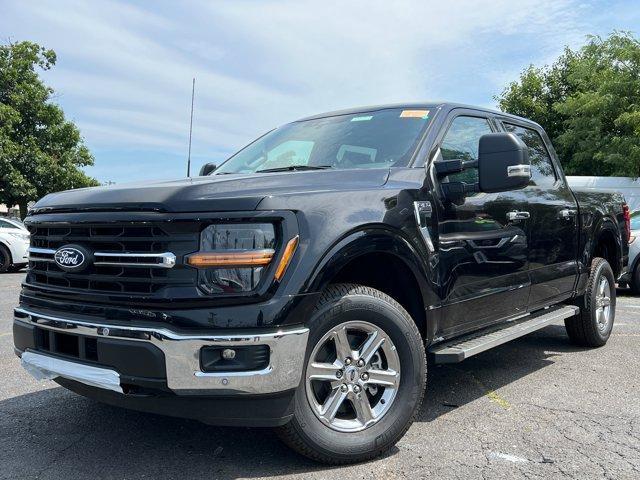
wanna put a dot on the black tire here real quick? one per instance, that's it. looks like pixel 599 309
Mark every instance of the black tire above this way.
pixel 635 280
pixel 5 259
pixel 305 433
pixel 584 329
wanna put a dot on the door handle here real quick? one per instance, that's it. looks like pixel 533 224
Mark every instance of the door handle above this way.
pixel 516 215
pixel 568 213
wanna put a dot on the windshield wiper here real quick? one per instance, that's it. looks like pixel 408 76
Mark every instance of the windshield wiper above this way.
pixel 292 168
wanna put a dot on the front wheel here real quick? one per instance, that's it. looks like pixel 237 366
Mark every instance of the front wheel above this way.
pixel 593 325
pixel 364 377
pixel 5 259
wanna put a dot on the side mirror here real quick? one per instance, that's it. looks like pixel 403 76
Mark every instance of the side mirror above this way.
pixel 503 163
pixel 207 168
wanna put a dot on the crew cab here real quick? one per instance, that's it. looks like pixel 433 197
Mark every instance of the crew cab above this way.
pixel 304 283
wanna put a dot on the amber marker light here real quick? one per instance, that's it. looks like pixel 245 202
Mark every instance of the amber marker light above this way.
pixel 245 258
pixel 286 257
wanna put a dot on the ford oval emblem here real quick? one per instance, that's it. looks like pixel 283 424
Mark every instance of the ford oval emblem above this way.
pixel 69 258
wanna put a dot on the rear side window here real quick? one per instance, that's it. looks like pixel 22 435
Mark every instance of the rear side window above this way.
pixel 461 142
pixel 542 172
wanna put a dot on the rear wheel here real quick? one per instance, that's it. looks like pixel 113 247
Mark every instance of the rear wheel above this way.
pixel 593 325
pixel 5 259
pixel 363 381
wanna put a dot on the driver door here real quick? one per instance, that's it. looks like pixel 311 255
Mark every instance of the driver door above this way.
pixel 482 246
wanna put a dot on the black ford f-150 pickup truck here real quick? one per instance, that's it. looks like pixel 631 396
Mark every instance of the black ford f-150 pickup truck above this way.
pixel 305 282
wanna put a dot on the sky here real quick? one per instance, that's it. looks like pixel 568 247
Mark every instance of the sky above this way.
pixel 124 69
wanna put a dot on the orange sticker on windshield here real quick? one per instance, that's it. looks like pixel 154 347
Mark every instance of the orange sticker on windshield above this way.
pixel 414 114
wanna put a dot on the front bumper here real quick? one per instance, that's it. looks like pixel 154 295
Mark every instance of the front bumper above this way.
pixel 180 366
pixel 19 252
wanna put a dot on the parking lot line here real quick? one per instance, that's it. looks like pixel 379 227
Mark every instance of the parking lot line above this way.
pixel 492 395
pixel 497 399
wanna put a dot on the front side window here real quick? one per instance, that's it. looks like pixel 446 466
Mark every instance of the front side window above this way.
pixel 461 142
pixel 542 172
pixel 378 139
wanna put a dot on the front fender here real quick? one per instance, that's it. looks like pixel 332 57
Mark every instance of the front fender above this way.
pixel 373 240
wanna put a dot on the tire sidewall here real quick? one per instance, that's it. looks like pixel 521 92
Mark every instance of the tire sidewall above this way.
pixel 410 350
pixel 603 269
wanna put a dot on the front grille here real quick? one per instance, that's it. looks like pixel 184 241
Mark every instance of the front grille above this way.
pixel 129 258
pixel 123 238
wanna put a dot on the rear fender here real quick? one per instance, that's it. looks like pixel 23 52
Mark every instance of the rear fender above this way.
pixel 607 227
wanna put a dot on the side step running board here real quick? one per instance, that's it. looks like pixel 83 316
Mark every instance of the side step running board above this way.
pixel 464 347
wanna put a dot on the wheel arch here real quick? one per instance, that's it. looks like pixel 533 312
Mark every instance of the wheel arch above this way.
pixel 608 245
pixel 383 260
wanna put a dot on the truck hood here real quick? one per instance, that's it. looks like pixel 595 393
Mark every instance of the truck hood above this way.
pixel 213 193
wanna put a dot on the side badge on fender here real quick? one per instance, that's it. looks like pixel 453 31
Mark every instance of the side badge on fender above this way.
pixel 423 211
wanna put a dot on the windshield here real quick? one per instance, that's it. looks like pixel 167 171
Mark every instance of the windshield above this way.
pixel 379 139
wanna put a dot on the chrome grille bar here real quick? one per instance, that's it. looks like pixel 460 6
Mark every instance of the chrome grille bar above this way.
pixel 119 259
pixel 165 260
pixel 41 251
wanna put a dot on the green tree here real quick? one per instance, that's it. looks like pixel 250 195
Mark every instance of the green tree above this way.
pixel 588 101
pixel 40 151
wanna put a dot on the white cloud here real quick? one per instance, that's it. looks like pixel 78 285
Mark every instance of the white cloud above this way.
pixel 124 72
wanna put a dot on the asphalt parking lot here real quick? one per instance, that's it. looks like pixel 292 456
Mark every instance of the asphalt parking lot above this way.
pixel 534 408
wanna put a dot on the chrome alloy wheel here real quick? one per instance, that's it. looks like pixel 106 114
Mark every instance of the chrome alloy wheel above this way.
pixel 352 376
pixel 603 304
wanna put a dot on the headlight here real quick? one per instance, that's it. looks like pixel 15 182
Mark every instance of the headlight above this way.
pixel 20 236
pixel 233 258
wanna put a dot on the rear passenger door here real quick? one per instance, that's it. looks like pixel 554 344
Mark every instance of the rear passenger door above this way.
pixel 553 242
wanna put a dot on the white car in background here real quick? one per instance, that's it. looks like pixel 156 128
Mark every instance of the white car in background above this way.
pixel 632 278
pixel 14 245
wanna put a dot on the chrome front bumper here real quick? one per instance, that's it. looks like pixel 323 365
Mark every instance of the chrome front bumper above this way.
pixel 182 355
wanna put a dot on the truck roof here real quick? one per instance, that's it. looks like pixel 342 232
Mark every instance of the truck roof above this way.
pixel 433 105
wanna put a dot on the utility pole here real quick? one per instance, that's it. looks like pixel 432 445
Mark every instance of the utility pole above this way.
pixel 193 90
